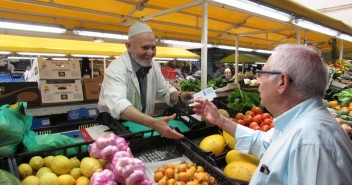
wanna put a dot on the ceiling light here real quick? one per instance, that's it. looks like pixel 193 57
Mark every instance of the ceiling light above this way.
pixel 24 58
pixel 234 48
pixel 263 51
pixel 315 27
pixel 100 34
pixel 183 43
pixel 5 52
pixel 345 37
pixel 31 27
pixel 64 59
pixel 41 54
pixel 257 9
pixel 163 58
pixel 90 56
pixel 187 59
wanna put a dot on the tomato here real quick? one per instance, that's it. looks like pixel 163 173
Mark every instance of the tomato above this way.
pixel 257 128
pixel 265 128
pixel 250 113
pixel 265 116
pixel 272 125
pixel 257 118
pixel 267 121
pixel 239 116
pixel 241 122
pixel 248 119
pixel 257 110
pixel 253 124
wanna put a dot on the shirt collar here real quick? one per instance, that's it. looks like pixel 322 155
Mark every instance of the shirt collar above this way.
pixel 290 117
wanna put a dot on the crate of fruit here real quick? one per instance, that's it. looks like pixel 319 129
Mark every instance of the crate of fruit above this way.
pixel 218 148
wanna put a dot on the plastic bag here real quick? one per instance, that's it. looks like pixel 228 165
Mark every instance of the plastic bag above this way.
pixel 33 142
pixel 12 127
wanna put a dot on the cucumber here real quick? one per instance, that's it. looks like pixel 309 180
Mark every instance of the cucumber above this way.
pixel 343 112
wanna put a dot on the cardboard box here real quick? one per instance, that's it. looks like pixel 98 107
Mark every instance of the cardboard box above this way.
pixel 11 92
pixel 54 69
pixel 59 91
pixel 91 87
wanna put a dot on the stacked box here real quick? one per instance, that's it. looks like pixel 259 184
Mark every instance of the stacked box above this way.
pixel 91 87
pixel 59 81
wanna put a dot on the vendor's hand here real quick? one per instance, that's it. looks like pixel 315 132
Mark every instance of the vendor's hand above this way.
pixel 347 128
pixel 186 97
pixel 165 130
pixel 208 110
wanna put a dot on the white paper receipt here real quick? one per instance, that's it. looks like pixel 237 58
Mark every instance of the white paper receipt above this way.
pixel 207 93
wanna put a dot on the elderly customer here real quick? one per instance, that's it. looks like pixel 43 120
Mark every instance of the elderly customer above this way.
pixel 133 82
pixel 307 146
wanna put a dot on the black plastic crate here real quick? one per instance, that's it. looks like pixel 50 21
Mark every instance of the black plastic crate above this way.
pixel 6 164
pixel 102 119
pixel 80 150
pixel 185 114
pixel 196 137
pixel 160 149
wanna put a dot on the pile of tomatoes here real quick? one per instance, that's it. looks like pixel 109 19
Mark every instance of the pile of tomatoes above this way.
pixel 255 119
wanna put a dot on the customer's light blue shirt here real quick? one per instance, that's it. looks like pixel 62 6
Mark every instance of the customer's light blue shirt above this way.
pixel 307 147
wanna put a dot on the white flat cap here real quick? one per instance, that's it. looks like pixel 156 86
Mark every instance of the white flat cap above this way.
pixel 137 29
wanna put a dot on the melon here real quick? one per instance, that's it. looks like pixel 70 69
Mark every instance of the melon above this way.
pixel 234 155
pixel 229 139
pixel 214 143
pixel 240 170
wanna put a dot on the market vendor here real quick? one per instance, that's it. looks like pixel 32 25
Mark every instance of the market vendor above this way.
pixel 227 74
pixel 307 146
pixel 134 81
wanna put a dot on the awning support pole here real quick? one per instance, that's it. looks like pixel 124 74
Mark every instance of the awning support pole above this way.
pixel 298 36
pixel 236 59
pixel 341 50
pixel 204 54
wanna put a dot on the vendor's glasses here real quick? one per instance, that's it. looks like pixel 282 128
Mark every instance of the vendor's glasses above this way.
pixel 259 73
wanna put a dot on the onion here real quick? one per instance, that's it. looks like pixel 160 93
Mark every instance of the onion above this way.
pixel 124 167
pixel 94 151
pixel 137 177
pixel 108 152
pixel 105 177
pixel 106 140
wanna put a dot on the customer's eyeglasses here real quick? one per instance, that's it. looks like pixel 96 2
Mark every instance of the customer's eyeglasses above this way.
pixel 259 73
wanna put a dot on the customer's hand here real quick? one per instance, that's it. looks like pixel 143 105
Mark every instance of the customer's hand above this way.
pixel 347 128
pixel 165 130
pixel 208 110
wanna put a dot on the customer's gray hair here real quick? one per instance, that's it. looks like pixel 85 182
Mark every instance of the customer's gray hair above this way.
pixel 304 66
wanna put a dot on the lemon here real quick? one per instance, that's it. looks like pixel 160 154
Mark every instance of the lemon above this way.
pixel 43 170
pixel 36 162
pixel 214 143
pixel 66 179
pixel 48 179
pixel 60 165
pixel 75 163
pixel 82 180
pixel 234 155
pixel 25 170
pixel 76 172
pixel 47 160
pixel 240 170
pixel 90 165
pixel 31 180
